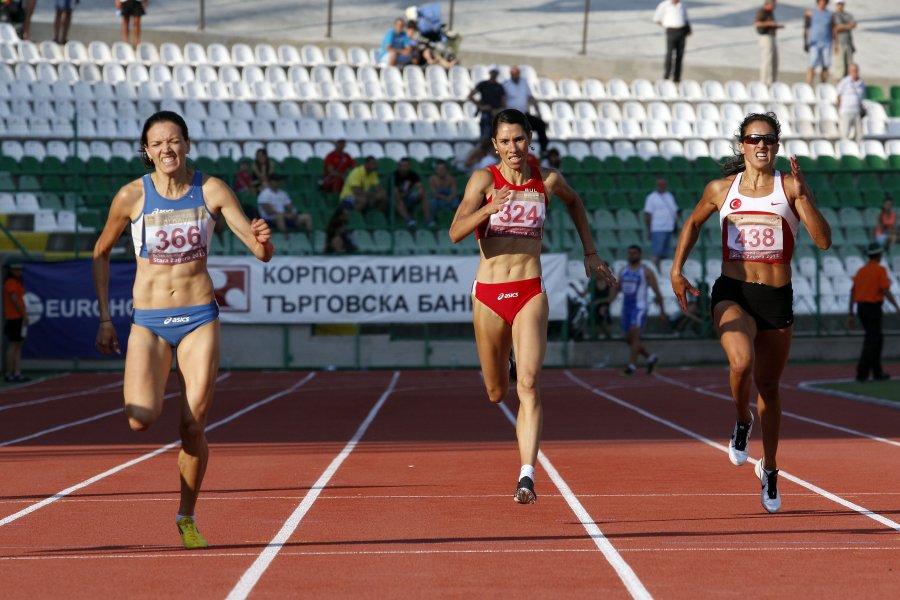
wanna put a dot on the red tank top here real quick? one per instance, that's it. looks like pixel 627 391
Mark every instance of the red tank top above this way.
pixel 523 215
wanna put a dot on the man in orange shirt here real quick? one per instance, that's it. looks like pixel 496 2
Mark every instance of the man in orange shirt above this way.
pixel 871 286
pixel 15 317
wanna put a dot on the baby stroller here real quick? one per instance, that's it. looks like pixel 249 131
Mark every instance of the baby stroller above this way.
pixel 433 32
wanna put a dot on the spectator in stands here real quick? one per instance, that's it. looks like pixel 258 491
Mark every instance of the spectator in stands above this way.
pixel 262 170
pixel 519 96
pixel 63 20
pixel 851 91
pixel 481 156
pixel 660 219
pixel 337 238
pixel 552 160
pixel 752 302
pixel 672 16
pixel 634 279
pixel 871 285
pixel 818 37
pixel 409 193
pixel 886 226
pixel 175 310
pixel 444 194
pixel 243 180
pixel 844 24
pixel 15 315
pixel 335 167
pixel 362 188
pixel 29 6
pixel 131 11
pixel 276 208
pixel 767 27
pixel 509 305
pixel 491 100
pixel 396 48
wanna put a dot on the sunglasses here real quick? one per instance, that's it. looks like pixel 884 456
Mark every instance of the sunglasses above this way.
pixel 769 139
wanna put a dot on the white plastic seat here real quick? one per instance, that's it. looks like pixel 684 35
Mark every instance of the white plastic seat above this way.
pixel 147 53
pixel 285 128
pixel 720 148
pixel 618 90
pixel 695 148
pixel 624 149
pixel 45 220
pixel 122 53
pixel 170 54
pixel 357 56
pixel 643 90
pixel 266 55
pixel 803 92
pixel 218 55
pixel 634 110
pixel 75 52
pixel 242 55
pixel 713 91
pixel 821 148
pixel 847 148
pixel 289 55
pixel 67 72
pixel 691 90
pixel 736 91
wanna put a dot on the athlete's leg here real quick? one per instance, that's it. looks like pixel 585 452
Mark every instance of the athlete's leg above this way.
pixel 772 349
pixel 147 365
pixel 737 331
pixel 529 332
pixel 493 337
pixel 198 363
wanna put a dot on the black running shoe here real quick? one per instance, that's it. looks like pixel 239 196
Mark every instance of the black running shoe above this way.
pixel 525 492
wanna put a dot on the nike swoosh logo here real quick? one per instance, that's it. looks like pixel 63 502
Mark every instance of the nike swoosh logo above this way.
pixel 775 203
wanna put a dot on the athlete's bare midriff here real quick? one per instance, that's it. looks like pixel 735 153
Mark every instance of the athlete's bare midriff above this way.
pixel 172 286
pixel 509 259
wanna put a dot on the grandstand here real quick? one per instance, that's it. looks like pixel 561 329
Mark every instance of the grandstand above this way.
pixel 70 117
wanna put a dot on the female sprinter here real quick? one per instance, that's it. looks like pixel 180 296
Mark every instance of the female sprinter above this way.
pixel 505 205
pixel 172 213
pixel 759 210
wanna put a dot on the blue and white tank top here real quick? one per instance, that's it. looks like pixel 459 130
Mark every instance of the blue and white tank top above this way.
pixel 173 232
pixel 633 284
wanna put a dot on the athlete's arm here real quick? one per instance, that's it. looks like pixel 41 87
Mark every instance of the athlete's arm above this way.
pixel 254 234
pixel 690 232
pixel 556 185
pixel 470 213
pixel 805 204
pixel 125 202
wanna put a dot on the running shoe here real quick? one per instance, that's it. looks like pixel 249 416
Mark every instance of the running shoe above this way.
pixel 771 499
pixel 525 492
pixel 651 363
pixel 189 534
pixel 629 370
pixel 737 447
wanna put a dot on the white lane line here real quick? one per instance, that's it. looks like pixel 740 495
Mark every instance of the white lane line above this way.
pixel 207 554
pixel 252 575
pixel 622 568
pixel 56 397
pixel 96 417
pixel 78 486
pixel 786 413
pixel 812 386
pixel 782 474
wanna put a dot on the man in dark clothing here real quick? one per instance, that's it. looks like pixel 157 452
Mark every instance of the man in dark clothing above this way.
pixel 408 192
pixel 492 99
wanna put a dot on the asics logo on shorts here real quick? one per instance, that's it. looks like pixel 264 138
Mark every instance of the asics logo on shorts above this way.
pixel 506 296
pixel 176 320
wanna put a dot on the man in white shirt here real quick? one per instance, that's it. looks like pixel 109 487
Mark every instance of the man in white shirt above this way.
pixel 519 97
pixel 850 94
pixel 673 17
pixel 660 218
pixel 276 208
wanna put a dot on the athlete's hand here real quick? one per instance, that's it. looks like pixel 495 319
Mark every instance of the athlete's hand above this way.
pixel 799 179
pixel 594 264
pixel 107 341
pixel 682 287
pixel 260 230
pixel 500 197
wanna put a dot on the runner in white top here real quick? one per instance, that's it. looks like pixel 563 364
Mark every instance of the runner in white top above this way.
pixel 759 210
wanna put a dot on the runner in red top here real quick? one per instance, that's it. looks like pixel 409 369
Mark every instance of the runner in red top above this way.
pixel 506 207
pixel 759 211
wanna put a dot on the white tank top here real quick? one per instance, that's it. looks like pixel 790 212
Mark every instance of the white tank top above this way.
pixel 758 229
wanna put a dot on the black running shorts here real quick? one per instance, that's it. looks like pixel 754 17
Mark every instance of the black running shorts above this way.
pixel 771 307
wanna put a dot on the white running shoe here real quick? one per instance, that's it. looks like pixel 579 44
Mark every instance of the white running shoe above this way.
pixel 771 499
pixel 740 439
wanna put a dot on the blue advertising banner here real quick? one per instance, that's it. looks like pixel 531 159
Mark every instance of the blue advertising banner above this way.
pixel 62 308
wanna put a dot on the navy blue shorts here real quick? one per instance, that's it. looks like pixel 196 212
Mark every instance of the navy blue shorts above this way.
pixel 172 324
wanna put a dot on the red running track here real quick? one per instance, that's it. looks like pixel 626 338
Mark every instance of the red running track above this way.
pixel 382 484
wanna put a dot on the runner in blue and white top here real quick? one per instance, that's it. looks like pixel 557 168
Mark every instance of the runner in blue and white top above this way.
pixel 171 213
pixel 634 279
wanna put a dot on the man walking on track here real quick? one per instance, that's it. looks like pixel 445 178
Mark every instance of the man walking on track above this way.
pixel 871 286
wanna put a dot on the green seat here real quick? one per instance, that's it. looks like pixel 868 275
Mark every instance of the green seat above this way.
pixel 658 164
pixel 618 200
pixel 583 183
pixel 852 163
pixel 868 181
pixel 375 219
pixel 828 163
pixel 894 108
pixel 29 183
pixel 875 93
pixel 826 198
pixel 604 182
pixel 850 198
pixel 404 242
pixel 635 164
pixel 30 165
pixel 364 242
pixel 614 164
pixel 9 165
pixel 384 241
pixel 52 183
pixel 355 220
pixel 594 199
pixel 872 198
pixel 680 164
pixel 875 162
pixel 570 165
pixel 97 166
pixel 894 161
pixel 591 165
pixel 425 241
pixel 74 165
pixel 52 166
pixel 806 164
pixel 706 165
pixel 842 182
pixel 300 244
pixel 386 166
pixel 895 92
pixel 120 166
pixel 783 164
pixel 292 165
